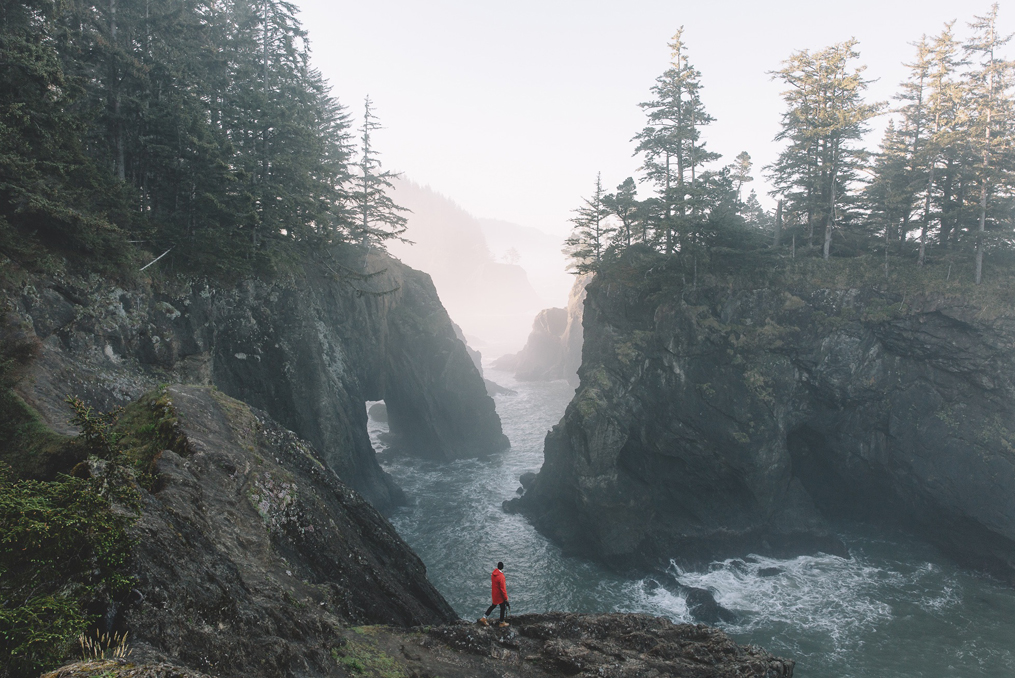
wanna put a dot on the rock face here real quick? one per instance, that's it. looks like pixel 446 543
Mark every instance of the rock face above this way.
pixel 554 347
pixel 310 351
pixel 725 419
pixel 250 552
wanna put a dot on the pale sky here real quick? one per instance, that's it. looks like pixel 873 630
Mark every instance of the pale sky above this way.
pixel 512 108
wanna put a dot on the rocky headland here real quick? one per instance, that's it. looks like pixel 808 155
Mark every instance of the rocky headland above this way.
pixel 309 349
pixel 741 412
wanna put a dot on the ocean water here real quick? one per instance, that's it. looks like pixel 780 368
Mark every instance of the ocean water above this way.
pixel 894 609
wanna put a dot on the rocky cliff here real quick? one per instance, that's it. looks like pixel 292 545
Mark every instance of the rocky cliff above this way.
pixel 739 414
pixel 309 349
pixel 554 347
pixel 250 554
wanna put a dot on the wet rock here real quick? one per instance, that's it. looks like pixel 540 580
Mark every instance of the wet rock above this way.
pixel 770 571
pixel 526 479
pixel 703 607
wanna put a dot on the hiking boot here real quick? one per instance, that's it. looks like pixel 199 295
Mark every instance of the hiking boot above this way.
pixel 503 624
pixel 482 620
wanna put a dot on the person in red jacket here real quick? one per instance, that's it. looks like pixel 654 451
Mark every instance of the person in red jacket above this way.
pixel 498 590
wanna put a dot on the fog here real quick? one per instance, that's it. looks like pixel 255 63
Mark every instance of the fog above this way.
pixel 492 276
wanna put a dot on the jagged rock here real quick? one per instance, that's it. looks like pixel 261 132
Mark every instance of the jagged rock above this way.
pixel 722 419
pixel 309 350
pixel 526 479
pixel 251 553
pixel 704 608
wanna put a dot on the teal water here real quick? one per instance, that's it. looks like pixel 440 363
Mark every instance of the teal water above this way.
pixel 895 609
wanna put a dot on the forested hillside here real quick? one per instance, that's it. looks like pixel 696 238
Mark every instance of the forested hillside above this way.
pixel 939 188
pixel 129 128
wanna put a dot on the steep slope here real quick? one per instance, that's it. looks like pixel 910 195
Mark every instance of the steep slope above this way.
pixel 250 553
pixel 310 350
pixel 736 416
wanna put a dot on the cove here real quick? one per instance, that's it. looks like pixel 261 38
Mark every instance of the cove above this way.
pixel 896 608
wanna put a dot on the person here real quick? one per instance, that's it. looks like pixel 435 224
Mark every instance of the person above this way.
pixel 498 591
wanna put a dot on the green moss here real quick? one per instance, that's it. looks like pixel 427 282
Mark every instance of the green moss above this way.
pixel 366 659
pixel 146 428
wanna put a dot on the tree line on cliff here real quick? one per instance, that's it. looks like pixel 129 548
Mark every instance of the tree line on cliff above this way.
pixel 941 183
pixel 130 128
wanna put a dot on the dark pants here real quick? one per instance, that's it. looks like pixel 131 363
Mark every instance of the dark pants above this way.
pixel 503 608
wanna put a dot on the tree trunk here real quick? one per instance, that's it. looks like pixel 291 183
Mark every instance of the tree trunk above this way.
pixel 778 224
pixel 980 230
pixel 926 217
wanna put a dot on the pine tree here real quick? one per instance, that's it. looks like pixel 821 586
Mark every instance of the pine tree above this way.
pixel 741 171
pixel 376 216
pixel 754 214
pixel 890 195
pixel 990 115
pixel 592 232
pixel 674 155
pixel 624 205
pixel 824 120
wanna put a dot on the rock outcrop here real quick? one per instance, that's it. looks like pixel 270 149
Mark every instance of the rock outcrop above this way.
pixel 733 417
pixel 554 347
pixel 310 350
pixel 250 554
pixel 534 646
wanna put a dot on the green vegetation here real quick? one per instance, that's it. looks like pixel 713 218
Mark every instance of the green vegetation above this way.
pixel 940 190
pixel 366 659
pixel 130 129
pixel 63 546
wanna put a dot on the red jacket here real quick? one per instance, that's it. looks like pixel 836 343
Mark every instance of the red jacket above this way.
pixel 498 587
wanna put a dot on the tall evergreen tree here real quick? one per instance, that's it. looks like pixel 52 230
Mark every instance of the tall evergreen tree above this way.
pixel 592 232
pixel 376 216
pixel 990 115
pixel 671 143
pixel 824 120
pixel 741 172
